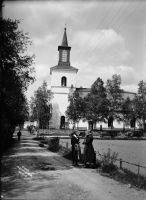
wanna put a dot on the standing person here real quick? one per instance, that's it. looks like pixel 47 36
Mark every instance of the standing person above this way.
pixel 89 153
pixel 75 148
pixel 19 135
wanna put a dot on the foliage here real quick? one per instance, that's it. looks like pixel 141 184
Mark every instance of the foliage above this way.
pixel 30 128
pixel 109 168
pixel 139 103
pixel 76 109
pixel 115 97
pixel 53 144
pixel 40 106
pixel 127 177
pixel 15 77
pixel 96 109
pixel 66 153
pixel 108 159
pixel 127 111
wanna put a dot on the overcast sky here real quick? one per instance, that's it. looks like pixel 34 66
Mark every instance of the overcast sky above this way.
pixel 106 37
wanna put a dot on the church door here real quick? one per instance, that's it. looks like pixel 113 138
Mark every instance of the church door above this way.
pixel 133 123
pixel 110 122
pixel 90 125
pixel 62 122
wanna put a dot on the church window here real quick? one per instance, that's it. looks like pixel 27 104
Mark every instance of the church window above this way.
pixel 63 81
pixel 64 56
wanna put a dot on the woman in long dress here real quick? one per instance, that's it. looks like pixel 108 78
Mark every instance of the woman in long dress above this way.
pixel 89 153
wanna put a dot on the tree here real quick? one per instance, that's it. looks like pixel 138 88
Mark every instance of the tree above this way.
pixel 15 77
pixel 127 111
pixel 97 103
pixel 139 103
pixel 40 105
pixel 75 110
pixel 115 97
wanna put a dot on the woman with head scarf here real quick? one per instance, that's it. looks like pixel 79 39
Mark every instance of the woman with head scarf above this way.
pixel 89 153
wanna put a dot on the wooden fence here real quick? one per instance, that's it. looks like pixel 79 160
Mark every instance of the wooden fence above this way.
pixel 66 144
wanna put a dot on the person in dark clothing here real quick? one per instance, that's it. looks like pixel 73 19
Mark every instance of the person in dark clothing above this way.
pixel 75 147
pixel 89 153
pixel 19 135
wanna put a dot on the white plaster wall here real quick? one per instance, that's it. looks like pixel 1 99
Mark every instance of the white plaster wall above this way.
pixel 57 75
pixel 64 90
pixel 82 124
pixel 62 102
pixel 60 94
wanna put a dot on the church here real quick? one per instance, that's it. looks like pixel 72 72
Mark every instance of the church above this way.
pixel 62 82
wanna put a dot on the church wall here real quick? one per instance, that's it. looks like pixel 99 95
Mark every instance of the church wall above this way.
pixel 56 78
pixel 60 103
pixel 60 90
pixel 82 124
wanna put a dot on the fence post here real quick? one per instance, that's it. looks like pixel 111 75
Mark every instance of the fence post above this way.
pixel 120 163
pixel 138 171
pixel 66 144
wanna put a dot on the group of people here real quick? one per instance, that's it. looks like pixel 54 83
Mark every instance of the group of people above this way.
pixel 89 154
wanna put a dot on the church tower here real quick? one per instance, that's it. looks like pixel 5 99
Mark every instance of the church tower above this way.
pixel 62 80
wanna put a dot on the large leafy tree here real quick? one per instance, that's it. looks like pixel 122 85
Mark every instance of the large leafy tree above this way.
pixel 76 109
pixel 127 113
pixel 115 97
pixel 40 106
pixel 139 103
pixel 97 103
pixel 15 76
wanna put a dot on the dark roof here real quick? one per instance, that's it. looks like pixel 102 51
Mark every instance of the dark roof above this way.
pixel 64 40
pixel 84 91
pixel 63 67
pixel 81 89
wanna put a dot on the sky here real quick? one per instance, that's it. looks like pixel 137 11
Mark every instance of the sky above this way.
pixel 106 38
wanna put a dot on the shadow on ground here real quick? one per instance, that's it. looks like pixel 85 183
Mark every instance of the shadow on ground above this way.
pixel 39 161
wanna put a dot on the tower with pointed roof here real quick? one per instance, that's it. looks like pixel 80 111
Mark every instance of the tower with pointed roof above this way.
pixel 62 81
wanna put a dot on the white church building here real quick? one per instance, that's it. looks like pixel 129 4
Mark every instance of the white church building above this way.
pixel 62 81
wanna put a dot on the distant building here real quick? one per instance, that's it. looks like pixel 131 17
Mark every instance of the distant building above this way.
pixel 62 82
pixel 28 123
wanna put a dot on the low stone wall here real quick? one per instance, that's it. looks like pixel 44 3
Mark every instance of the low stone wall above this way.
pixel 54 132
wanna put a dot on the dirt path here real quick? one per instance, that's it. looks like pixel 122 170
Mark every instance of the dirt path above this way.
pixel 64 183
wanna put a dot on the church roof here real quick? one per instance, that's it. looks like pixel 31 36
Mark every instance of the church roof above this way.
pixel 64 40
pixel 84 91
pixel 63 67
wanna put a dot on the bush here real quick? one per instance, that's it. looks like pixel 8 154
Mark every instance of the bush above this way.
pixel 108 157
pixel 29 128
pixel 107 160
pixel 66 153
pixel 53 144
pixel 108 168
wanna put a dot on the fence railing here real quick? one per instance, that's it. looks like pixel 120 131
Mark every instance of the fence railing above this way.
pixel 66 144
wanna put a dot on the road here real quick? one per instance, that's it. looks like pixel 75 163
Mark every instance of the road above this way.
pixel 29 171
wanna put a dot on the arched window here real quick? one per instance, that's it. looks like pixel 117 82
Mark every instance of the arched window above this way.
pixel 63 81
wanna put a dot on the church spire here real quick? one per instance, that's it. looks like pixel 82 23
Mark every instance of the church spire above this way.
pixel 64 40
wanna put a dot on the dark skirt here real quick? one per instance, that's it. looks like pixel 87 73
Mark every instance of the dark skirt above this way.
pixel 89 154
